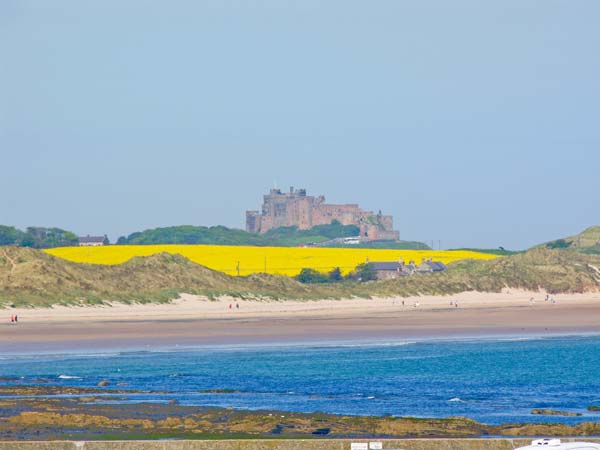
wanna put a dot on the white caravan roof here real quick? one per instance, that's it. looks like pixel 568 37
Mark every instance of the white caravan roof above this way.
pixel 556 444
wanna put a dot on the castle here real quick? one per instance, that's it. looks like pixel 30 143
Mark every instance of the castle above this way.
pixel 295 208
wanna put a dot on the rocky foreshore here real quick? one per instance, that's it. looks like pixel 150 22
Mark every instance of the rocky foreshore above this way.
pixel 94 414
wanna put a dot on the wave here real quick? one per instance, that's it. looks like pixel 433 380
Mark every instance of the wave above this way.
pixel 69 377
pixel 311 345
pixel 69 354
pixel 341 344
pixel 373 344
pixel 492 338
pixel 456 399
pixel 56 356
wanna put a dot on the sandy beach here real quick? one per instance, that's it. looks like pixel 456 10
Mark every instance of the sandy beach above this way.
pixel 196 321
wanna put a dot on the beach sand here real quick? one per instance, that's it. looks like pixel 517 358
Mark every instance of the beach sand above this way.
pixel 196 321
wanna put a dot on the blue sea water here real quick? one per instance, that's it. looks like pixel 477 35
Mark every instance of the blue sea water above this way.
pixel 492 381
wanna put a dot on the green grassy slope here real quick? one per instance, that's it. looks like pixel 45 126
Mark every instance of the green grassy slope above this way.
pixel 219 235
pixel 33 278
pixel 588 241
pixel 278 237
pixel 395 245
pixel 552 270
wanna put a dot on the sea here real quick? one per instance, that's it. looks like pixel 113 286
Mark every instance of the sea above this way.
pixel 491 380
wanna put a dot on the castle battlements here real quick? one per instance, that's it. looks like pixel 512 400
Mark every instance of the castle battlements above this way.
pixel 296 208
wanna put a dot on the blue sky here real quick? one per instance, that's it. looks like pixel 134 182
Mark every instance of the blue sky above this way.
pixel 474 123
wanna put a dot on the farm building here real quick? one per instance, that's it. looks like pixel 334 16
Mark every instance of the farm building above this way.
pixel 387 270
pixel 92 241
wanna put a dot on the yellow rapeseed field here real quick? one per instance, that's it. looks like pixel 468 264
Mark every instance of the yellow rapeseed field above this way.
pixel 274 260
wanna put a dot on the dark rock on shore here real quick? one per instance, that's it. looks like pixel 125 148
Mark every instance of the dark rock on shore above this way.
pixel 45 418
pixel 553 412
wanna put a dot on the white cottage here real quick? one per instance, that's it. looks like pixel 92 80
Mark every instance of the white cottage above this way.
pixel 91 241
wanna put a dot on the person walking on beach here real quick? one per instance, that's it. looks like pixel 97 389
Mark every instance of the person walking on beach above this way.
pixel 12 319
pixel 16 318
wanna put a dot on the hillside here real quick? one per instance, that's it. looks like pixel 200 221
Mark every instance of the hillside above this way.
pixel 391 245
pixel 42 237
pixel 588 241
pixel 220 235
pixel 278 237
pixel 552 270
pixel 32 277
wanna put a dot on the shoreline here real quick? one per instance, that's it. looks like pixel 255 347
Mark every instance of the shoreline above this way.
pixel 39 350
pixel 192 321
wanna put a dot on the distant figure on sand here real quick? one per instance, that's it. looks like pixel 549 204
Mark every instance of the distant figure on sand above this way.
pixel 230 306
pixel 237 305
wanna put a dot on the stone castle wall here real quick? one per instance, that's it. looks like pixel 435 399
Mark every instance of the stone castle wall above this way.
pixel 295 208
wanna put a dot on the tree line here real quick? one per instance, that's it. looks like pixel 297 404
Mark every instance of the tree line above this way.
pixel 362 272
pixel 220 235
pixel 37 237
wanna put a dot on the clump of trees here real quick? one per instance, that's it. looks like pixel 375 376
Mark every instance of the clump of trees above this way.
pixel 559 243
pixel 365 272
pixel 190 234
pixel 37 237
pixel 312 276
pixel 10 235
pixel 362 272
pixel 220 235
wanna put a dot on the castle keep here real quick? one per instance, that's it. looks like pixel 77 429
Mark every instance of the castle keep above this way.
pixel 295 208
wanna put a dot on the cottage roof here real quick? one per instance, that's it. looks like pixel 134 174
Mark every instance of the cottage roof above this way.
pixel 433 266
pixel 436 266
pixel 90 239
pixel 386 266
